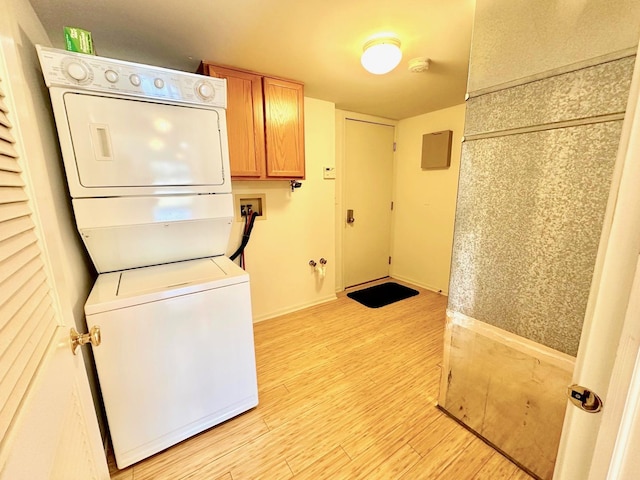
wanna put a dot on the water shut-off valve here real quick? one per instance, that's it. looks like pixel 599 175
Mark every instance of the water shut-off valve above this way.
pixel 320 267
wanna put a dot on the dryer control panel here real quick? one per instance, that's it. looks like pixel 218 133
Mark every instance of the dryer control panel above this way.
pixel 97 74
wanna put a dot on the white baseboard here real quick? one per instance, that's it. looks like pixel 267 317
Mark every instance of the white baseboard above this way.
pixel 293 308
pixel 417 283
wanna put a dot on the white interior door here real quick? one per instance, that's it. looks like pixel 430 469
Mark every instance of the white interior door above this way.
pixel 367 193
pixel 55 434
pixel 48 427
pixel 609 344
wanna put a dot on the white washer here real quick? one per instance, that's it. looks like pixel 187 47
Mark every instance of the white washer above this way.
pixel 178 352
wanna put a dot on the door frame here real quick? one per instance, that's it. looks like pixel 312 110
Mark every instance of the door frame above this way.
pixel 341 118
pixel 595 445
pixel 618 440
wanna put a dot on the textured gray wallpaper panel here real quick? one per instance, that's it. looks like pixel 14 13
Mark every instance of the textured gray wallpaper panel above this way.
pixel 599 90
pixel 528 222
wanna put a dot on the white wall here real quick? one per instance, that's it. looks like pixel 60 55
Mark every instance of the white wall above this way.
pixel 299 227
pixel 425 202
pixel 72 273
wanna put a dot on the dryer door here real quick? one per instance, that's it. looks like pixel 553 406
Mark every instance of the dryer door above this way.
pixel 132 147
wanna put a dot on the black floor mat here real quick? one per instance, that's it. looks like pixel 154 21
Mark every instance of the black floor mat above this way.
pixel 381 295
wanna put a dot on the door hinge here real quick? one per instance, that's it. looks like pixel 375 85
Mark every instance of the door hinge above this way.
pixel 389 260
pixel 394 146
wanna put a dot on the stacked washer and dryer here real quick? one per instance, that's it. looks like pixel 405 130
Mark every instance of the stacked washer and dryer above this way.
pixel 146 159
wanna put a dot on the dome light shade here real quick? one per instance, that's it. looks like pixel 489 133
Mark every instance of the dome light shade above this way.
pixel 381 55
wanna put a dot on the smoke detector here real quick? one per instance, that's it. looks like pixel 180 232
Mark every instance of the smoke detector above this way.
pixel 418 65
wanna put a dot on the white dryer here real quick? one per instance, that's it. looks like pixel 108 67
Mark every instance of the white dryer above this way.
pixel 146 158
pixel 147 164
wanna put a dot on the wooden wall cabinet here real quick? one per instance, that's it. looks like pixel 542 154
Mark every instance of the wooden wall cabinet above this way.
pixel 265 123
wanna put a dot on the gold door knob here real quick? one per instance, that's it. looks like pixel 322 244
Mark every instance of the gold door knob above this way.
pixel 79 339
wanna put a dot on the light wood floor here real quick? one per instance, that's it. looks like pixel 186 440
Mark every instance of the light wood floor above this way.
pixel 346 392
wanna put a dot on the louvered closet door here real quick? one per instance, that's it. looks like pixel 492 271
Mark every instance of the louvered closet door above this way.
pixel 47 430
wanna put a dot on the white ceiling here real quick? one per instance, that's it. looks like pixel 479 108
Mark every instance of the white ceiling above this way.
pixel 318 42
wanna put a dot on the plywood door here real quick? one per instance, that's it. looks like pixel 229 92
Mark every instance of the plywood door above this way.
pixel 368 189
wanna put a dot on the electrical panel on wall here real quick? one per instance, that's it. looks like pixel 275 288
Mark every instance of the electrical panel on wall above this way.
pixel 436 150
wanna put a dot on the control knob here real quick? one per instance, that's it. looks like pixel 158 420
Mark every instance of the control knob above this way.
pixel 205 90
pixel 77 70
pixel 158 82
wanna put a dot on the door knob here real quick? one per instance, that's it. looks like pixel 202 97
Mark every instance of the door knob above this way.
pixel 79 339
pixel 350 218
pixel 584 399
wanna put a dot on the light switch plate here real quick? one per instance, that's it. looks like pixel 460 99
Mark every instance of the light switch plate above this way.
pixel 329 173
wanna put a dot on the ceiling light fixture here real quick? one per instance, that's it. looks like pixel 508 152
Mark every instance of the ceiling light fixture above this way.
pixel 380 55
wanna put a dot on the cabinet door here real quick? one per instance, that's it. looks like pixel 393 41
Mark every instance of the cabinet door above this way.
pixel 245 121
pixel 284 121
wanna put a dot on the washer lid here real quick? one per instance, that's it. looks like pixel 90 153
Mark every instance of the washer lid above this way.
pixel 142 285
pixel 167 277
